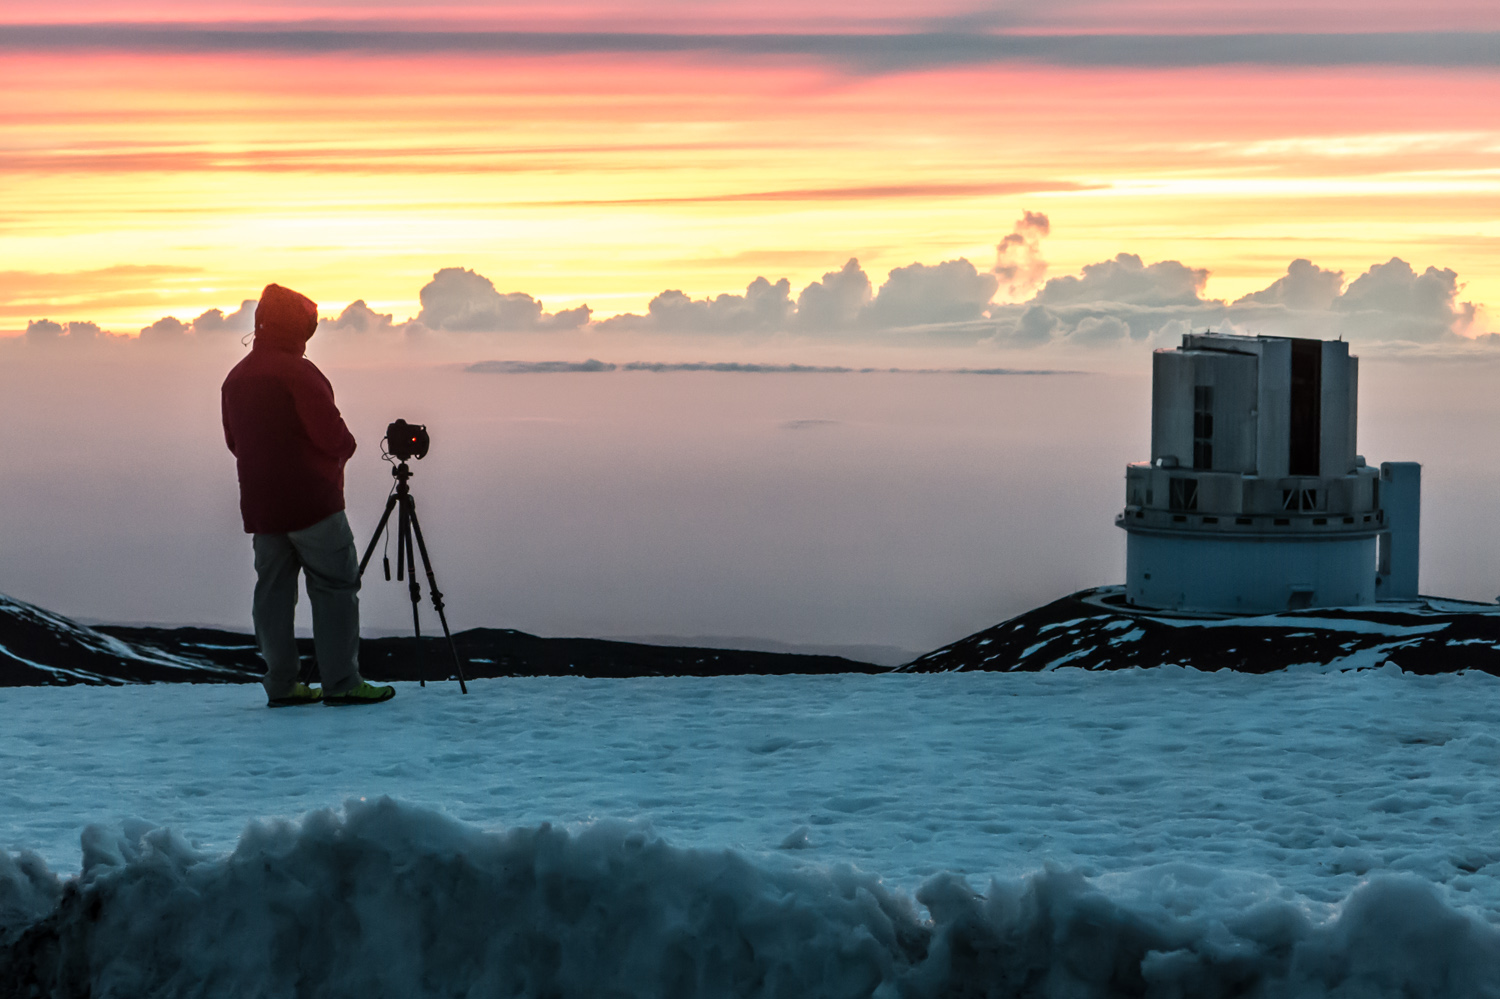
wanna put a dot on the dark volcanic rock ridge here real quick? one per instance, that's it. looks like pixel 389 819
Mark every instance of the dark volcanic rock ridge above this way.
pixel 39 648
pixel 1092 629
pixel 1095 629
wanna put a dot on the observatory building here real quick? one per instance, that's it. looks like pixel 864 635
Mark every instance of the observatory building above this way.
pixel 1255 499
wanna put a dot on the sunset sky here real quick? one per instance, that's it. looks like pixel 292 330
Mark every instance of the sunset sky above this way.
pixel 1054 188
pixel 159 162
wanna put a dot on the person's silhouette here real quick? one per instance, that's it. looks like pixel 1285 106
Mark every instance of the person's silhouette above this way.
pixel 290 445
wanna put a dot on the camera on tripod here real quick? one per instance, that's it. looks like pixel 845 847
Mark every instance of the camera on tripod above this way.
pixel 404 441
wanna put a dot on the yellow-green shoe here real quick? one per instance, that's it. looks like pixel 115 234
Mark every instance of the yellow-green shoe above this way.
pixel 365 693
pixel 299 694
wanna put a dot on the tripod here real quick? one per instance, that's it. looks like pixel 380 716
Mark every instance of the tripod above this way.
pixel 407 529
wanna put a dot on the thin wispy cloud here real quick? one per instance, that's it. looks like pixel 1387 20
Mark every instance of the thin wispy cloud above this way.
pixel 868 192
pixel 859 52
pixel 128 155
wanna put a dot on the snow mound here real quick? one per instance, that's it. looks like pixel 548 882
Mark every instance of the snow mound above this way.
pixel 386 899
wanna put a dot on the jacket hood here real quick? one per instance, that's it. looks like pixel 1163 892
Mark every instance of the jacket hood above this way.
pixel 284 319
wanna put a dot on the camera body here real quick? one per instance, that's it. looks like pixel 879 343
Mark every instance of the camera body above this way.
pixel 404 441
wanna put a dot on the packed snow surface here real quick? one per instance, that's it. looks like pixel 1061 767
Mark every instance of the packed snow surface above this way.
pixel 1152 832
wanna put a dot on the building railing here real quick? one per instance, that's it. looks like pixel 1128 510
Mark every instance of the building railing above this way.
pixel 1233 494
pixel 1285 523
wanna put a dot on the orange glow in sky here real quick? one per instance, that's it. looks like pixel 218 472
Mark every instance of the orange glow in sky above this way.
pixel 145 177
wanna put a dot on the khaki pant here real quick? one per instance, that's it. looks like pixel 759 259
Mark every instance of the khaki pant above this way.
pixel 325 552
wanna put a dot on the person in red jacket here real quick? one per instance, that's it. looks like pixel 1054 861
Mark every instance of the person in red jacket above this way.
pixel 290 445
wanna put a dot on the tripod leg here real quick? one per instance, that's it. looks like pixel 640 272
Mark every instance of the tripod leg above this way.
pixel 437 596
pixel 405 559
pixel 403 538
pixel 390 504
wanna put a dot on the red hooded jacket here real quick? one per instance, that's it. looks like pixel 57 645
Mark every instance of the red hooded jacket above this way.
pixel 288 438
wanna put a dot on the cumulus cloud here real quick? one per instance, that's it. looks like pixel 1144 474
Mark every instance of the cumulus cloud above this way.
pixel 1127 280
pixel 1018 258
pixel 84 332
pixel 238 322
pixel 763 308
pixel 1036 325
pixel 167 329
pixel 45 331
pixel 1095 330
pixel 42 330
pixel 1112 301
pixel 457 300
pixel 1391 301
pixel 1305 285
pixel 358 317
pixel 1388 303
pixel 953 291
pixel 835 302
pixel 1122 300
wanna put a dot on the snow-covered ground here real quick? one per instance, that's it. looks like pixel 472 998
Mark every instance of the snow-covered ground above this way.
pixel 1206 821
